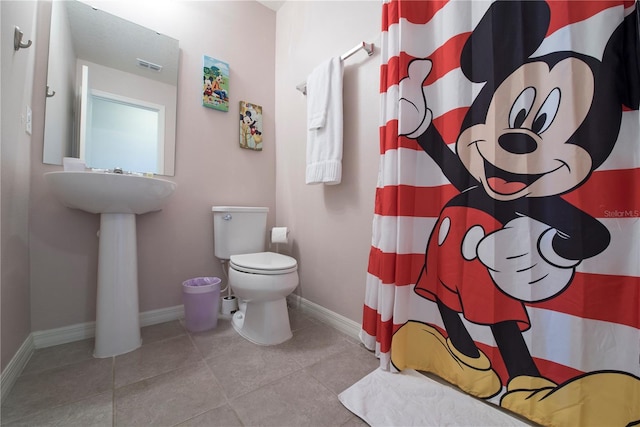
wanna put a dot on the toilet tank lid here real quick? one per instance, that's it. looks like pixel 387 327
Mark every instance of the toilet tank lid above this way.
pixel 239 209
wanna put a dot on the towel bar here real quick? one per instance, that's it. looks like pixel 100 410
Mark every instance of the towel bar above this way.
pixel 367 47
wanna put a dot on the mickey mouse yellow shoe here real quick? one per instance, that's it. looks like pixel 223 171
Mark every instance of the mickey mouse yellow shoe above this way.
pixel 597 399
pixel 422 347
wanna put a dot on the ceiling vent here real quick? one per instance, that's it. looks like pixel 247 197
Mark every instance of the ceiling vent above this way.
pixel 149 65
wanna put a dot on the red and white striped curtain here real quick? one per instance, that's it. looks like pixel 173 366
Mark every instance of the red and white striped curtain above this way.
pixel 505 253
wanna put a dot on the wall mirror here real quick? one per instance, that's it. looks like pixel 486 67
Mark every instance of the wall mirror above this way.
pixel 103 71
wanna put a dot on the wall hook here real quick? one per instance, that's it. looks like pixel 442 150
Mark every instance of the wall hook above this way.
pixel 50 92
pixel 17 40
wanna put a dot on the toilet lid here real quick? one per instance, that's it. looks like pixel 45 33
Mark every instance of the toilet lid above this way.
pixel 264 263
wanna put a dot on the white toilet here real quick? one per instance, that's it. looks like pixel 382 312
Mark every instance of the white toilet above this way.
pixel 261 280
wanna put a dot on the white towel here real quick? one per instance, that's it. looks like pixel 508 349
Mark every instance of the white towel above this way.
pixel 409 398
pixel 324 123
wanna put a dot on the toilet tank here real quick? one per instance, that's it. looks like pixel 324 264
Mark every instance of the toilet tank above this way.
pixel 238 230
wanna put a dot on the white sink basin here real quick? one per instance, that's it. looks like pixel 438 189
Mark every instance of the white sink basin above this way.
pixel 109 192
pixel 117 198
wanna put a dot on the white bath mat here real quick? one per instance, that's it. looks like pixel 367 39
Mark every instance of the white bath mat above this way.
pixel 409 398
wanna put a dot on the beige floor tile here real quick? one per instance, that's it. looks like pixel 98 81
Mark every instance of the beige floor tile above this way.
pixel 95 411
pixel 154 359
pixel 313 343
pixel 168 399
pixel 296 400
pixel 47 389
pixel 244 371
pixel 341 370
pixel 222 339
pixel 354 421
pixel 181 377
pixel 223 416
pixel 161 331
pixel 59 355
pixel 298 320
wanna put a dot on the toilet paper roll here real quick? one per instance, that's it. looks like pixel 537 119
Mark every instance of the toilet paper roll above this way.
pixel 279 234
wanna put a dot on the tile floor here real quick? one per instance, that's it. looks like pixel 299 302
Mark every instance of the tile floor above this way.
pixel 213 378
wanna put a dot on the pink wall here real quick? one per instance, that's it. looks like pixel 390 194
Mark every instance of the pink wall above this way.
pixel 176 243
pixel 16 87
pixel 330 225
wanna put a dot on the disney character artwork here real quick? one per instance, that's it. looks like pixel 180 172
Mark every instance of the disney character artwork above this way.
pixel 215 80
pixel 543 121
pixel 207 95
pixel 250 126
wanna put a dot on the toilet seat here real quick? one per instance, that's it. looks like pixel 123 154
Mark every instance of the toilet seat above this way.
pixel 267 263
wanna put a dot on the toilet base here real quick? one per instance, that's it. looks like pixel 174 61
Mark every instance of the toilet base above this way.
pixel 264 322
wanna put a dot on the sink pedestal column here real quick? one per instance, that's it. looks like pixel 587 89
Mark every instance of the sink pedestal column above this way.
pixel 117 318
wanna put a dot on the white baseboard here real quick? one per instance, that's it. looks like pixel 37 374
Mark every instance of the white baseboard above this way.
pixel 15 366
pixel 67 334
pixel 81 331
pixel 153 317
pixel 63 335
pixel 333 319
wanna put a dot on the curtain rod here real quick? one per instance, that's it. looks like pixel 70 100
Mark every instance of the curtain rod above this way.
pixel 367 47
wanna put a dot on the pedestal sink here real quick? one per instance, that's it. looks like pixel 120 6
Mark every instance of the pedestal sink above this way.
pixel 118 198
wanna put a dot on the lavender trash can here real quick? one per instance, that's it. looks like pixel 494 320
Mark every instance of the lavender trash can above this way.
pixel 200 297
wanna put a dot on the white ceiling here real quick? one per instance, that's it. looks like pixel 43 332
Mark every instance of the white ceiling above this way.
pixel 272 4
pixel 111 41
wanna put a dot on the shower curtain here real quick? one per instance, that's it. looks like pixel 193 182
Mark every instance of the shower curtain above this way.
pixel 505 254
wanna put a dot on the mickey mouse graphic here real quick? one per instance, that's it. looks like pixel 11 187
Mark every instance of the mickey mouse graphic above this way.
pixel 537 129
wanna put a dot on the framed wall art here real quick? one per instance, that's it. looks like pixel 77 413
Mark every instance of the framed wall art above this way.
pixel 250 126
pixel 215 83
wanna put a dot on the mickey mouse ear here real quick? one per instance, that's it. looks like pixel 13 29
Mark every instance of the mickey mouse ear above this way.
pixel 621 58
pixel 505 37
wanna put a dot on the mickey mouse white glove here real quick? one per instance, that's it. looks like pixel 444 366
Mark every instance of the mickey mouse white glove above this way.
pixel 522 262
pixel 413 115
